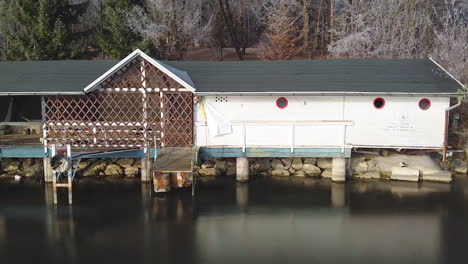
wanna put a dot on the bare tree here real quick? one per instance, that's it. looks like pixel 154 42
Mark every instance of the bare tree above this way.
pixel 283 37
pixel 231 26
pixel 404 29
pixel 172 25
pixel 450 46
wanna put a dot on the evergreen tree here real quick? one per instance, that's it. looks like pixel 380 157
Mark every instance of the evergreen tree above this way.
pixel 44 30
pixel 115 38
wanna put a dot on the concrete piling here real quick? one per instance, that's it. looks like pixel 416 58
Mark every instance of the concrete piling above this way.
pixel 339 170
pixel 338 195
pixel 242 195
pixel 242 169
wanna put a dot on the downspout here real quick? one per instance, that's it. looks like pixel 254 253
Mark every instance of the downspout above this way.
pixel 447 110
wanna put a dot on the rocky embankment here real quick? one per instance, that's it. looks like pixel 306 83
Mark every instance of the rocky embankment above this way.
pixel 394 166
pixel 285 167
pixel 87 168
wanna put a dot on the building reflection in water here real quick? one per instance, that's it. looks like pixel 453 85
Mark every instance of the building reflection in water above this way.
pixel 261 221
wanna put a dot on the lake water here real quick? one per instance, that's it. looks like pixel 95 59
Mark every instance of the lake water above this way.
pixel 264 221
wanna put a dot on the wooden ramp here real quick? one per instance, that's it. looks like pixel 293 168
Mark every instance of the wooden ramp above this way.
pixel 174 160
pixel 173 167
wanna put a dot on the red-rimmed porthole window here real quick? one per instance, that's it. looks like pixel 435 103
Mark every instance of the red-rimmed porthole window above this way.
pixel 281 102
pixel 424 104
pixel 379 103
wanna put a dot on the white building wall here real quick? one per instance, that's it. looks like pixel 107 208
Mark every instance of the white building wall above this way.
pixel 324 122
pixel 400 123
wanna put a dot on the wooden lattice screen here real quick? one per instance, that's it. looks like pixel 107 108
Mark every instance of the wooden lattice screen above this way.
pixel 140 106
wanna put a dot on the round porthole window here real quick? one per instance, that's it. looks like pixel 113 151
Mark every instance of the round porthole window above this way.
pixel 379 103
pixel 281 102
pixel 424 104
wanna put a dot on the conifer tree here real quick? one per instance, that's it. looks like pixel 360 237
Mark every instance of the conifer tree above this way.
pixel 115 38
pixel 44 30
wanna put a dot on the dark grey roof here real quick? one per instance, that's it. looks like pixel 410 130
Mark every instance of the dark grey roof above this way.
pixel 419 76
pixel 50 77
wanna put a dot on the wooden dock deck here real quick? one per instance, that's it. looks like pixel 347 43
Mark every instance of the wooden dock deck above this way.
pixel 174 160
pixel 173 168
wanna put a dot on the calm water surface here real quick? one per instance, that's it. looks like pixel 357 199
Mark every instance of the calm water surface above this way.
pixel 264 221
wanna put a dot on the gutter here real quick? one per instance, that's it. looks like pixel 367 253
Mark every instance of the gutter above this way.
pixel 446 128
pixel 310 93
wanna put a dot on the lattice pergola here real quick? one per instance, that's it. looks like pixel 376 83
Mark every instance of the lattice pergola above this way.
pixel 139 106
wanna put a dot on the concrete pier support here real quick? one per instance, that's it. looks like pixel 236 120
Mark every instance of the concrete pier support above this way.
pixel 242 169
pixel 146 164
pixel 338 195
pixel 339 170
pixel 48 173
pixel 242 195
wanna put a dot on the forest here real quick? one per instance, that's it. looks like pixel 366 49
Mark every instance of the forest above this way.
pixel 270 29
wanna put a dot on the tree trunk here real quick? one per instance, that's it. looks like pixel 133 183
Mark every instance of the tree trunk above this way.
pixel 306 28
pixel 227 14
pixel 332 13
pixel 317 25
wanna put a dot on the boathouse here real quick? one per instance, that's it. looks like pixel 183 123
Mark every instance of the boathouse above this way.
pixel 138 107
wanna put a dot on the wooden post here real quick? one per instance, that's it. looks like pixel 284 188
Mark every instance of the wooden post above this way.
pixel 48 173
pixel 146 164
pixel 69 174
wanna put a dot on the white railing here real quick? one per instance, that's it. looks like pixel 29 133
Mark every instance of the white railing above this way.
pixel 292 124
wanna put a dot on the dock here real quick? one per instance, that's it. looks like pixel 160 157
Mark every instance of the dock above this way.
pixel 173 167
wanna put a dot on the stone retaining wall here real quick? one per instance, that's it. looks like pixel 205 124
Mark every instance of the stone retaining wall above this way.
pixel 117 168
pixel 281 167
pixel 371 166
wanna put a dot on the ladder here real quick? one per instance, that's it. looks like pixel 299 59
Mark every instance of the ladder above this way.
pixel 68 184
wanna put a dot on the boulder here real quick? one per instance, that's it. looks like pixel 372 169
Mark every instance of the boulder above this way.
pixel 209 172
pixel 327 173
pixel 325 163
pixel 459 166
pixel 360 167
pixel 28 162
pixel 231 171
pixel 280 173
pixel 299 173
pixel 113 170
pixel 221 165
pixel 291 170
pixel 356 159
pixel 231 163
pixel 261 165
pixel 310 161
pixel 95 169
pixel 33 170
pixel 131 172
pixel 276 164
pixel 368 175
pixel 126 163
pixel 297 164
pixel 84 163
pixel 311 170
pixel 287 162
pixel 208 163
pixel 11 165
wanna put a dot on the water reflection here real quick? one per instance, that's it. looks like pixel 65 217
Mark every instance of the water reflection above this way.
pixel 263 221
